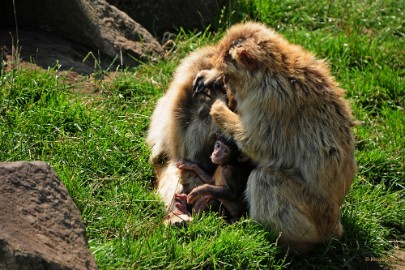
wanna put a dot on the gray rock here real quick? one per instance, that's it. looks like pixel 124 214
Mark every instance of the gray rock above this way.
pixel 93 23
pixel 40 226
pixel 45 50
pixel 162 16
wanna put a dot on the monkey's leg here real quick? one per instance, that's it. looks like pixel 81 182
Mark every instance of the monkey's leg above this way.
pixel 157 138
pixel 169 185
pixel 181 203
pixel 272 203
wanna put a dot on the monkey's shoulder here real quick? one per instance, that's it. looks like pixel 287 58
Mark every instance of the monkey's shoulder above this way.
pixel 236 172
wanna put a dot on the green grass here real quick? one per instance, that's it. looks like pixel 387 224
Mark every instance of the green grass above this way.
pixel 95 143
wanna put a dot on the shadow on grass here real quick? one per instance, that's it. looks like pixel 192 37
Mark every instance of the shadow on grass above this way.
pixel 355 250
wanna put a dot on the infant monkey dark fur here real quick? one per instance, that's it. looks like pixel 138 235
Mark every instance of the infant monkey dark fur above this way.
pixel 222 192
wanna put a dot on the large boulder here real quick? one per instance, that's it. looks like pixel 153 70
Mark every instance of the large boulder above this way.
pixel 93 23
pixel 40 226
pixel 162 16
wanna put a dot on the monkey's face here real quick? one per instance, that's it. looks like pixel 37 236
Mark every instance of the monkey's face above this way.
pixel 222 154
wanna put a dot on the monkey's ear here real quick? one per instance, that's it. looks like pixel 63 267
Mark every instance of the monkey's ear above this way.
pixel 247 59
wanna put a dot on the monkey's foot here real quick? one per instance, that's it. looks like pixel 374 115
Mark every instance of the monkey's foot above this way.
pixel 177 218
pixel 181 203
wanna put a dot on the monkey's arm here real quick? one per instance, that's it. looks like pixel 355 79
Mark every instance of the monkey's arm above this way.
pixel 227 120
pixel 184 165
pixel 217 192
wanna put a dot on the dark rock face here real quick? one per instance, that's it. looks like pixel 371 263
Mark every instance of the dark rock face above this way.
pixel 40 226
pixel 160 16
pixel 47 50
pixel 93 23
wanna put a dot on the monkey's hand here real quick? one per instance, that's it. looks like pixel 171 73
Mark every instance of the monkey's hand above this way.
pixel 219 111
pixel 201 204
pixel 228 121
pixel 207 79
pixel 190 166
pixel 185 165
pixel 196 193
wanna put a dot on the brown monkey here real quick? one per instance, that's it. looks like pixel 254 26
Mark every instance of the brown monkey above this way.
pixel 227 185
pixel 181 128
pixel 293 121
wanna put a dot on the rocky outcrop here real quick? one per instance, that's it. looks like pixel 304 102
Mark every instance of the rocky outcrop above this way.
pixel 94 23
pixel 161 16
pixel 40 226
pixel 44 49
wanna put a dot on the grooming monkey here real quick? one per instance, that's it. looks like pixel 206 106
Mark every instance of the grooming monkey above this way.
pixel 293 121
pixel 227 185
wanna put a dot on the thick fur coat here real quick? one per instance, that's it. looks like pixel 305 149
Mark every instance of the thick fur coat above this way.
pixel 291 119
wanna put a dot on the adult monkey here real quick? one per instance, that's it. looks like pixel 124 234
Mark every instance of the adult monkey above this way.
pixel 293 121
pixel 181 128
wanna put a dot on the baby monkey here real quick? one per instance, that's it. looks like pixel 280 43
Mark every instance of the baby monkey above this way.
pixel 224 190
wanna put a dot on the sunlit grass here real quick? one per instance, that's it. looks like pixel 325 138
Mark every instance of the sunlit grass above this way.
pixel 95 142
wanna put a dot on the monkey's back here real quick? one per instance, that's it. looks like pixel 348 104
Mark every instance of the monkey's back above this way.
pixel 294 122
